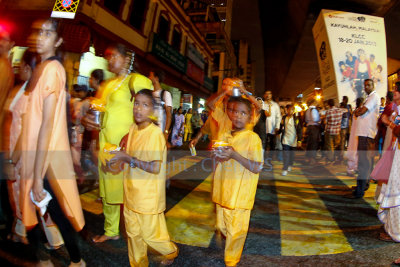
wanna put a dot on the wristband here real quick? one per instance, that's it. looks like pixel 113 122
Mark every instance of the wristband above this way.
pixel 132 163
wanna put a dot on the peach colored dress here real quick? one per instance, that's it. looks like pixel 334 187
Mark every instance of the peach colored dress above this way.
pixel 49 78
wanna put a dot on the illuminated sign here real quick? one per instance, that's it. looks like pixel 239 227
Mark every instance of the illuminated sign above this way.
pixel 65 9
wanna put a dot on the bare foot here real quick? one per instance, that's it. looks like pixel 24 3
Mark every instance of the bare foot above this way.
pixel 103 238
pixel 397 261
pixel 17 238
pixel 385 237
pixel 47 263
pixel 82 263
pixel 167 262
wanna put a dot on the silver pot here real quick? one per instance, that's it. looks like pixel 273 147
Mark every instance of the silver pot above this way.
pixel 236 92
pixel 98 116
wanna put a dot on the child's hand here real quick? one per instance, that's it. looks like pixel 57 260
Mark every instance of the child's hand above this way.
pixel 226 153
pixel 120 156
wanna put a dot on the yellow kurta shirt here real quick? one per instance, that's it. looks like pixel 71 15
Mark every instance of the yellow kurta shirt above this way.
pixel 217 124
pixel 118 118
pixel 234 186
pixel 144 192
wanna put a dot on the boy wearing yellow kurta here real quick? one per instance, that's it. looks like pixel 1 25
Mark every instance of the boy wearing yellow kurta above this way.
pixel 235 179
pixel 118 117
pixel 144 186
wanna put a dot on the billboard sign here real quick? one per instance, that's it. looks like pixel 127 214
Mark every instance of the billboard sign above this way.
pixel 350 48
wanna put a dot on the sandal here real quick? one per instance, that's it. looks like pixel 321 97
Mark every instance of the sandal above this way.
pixel 385 237
pixel 396 262
pixel 167 262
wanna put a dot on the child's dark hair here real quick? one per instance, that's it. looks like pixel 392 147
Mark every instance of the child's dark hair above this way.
pixel 239 99
pixel 57 25
pixel 149 94
pixel 98 74
pixel 30 58
pixel 120 48
pixel 160 74
pixel 80 88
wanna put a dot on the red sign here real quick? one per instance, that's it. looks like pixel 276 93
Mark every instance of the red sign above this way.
pixel 195 72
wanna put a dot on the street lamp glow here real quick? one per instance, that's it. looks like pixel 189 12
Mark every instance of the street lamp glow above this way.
pixel 318 97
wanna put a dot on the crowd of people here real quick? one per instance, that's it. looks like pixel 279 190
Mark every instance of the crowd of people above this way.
pixel 52 140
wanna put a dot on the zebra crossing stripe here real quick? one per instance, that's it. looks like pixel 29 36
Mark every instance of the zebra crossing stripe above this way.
pixel 192 220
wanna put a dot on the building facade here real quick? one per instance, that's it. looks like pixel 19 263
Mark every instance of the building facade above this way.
pixel 159 32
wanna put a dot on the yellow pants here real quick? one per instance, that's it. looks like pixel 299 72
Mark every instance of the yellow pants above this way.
pixel 147 230
pixel 233 224
pixel 111 218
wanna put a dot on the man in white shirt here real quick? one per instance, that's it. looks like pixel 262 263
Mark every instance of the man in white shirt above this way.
pixel 367 116
pixel 313 123
pixel 163 108
pixel 273 116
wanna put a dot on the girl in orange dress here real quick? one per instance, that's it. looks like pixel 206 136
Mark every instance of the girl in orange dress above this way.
pixel 46 155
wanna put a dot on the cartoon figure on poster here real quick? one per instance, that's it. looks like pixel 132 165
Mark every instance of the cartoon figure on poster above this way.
pixel 355 69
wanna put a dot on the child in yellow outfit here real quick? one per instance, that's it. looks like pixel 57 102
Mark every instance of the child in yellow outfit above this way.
pixel 144 185
pixel 236 177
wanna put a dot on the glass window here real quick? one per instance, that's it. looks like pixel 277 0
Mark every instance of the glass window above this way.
pixel 138 14
pixel 163 28
pixel 176 40
pixel 113 5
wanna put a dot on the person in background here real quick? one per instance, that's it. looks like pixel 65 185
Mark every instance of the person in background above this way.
pixel 272 122
pixel 188 126
pixel 332 132
pixel 289 138
pixel 14 110
pixel 366 131
pixel 344 127
pixel 381 141
pixel 163 109
pixel 95 80
pixel 177 130
pixel 352 157
pixel 313 121
pixel 204 117
pixel 196 122
pixel 90 139
pixel 15 106
pixel 6 84
pixel 382 106
pixel 278 139
pixel 78 107
pixel 389 194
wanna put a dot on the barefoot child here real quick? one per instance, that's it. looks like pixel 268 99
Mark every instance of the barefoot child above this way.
pixel 236 177
pixel 144 185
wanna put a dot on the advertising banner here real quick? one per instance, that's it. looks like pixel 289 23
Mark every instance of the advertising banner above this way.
pixel 350 48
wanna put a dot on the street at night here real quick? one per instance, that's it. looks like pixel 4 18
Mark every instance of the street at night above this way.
pixel 301 219
pixel 203 133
